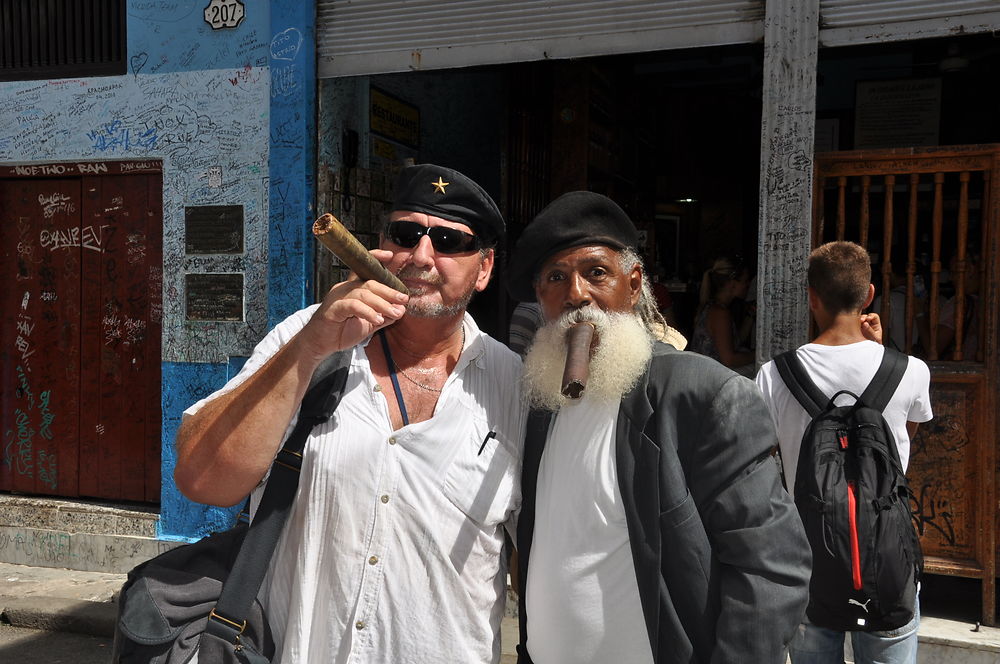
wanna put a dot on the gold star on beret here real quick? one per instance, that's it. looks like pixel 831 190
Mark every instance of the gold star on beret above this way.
pixel 440 185
pixel 444 192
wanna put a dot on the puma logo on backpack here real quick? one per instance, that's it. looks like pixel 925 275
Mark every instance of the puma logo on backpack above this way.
pixel 853 498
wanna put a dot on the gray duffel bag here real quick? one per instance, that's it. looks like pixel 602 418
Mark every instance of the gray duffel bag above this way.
pixel 201 598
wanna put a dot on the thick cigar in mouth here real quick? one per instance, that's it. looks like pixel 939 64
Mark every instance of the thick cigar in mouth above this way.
pixel 334 236
pixel 578 340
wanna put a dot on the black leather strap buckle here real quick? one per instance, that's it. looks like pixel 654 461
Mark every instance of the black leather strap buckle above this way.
pixel 289 459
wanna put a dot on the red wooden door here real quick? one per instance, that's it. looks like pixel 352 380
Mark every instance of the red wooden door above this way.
pixel 40 335
pixel 80 335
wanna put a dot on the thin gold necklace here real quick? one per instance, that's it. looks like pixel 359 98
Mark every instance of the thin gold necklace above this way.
pixel 415 381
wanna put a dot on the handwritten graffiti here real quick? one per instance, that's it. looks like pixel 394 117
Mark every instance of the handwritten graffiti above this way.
pixel 930 510
pixel 47 469
pixel 115 137
pixel 135 248
pixel 117 203
pixel 50 547
pixel 22 343
pixel 18 450
pixel 284 80
pixel 87 237
pixel 54 204
pixel 247 75
pixel 46 415
pixel 94 167
pixel 118 329
pixel 285 45
pixel 23 390
pixel 129 166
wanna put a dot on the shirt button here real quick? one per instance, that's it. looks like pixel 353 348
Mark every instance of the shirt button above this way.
pixel 378 388
pixel 392 440
pixel 384 499
pixel 359 625
pixel 373 560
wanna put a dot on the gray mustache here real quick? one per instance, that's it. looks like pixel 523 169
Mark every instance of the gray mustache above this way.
pixel 411 272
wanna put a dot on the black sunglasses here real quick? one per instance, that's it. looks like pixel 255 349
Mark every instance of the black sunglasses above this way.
pixel 445 240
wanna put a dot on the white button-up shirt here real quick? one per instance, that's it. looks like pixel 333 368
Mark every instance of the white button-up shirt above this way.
pixel 392 552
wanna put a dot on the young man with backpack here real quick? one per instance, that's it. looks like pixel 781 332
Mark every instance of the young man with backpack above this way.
pixel 844 461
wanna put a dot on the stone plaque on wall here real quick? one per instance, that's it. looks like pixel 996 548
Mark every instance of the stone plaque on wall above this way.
pixel 216 297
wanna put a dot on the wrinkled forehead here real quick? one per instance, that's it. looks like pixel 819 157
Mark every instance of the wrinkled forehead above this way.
pixel 586 254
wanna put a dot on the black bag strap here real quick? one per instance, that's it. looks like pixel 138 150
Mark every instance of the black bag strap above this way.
pixel 877 395
pixel 227 619
pixel 799 383
pixel 886 380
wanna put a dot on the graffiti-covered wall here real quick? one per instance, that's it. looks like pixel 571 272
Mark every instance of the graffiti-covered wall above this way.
pixel 228 114
pixel 195 98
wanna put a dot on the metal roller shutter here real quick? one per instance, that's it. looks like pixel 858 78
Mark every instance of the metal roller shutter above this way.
pixel 849 22
pixel 380 36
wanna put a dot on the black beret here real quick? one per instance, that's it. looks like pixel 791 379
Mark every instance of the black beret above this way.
pixel 446 193
pixel 572 220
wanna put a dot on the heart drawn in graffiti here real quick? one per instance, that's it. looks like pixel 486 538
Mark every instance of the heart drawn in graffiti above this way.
pixel 138 61
pixel 285 45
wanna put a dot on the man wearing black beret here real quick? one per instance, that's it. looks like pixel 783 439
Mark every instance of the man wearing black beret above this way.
pixel 392 551
pixel 653 527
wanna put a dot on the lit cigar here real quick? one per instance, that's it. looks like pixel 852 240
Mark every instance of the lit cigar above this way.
pixel 334 236
pixel 578 339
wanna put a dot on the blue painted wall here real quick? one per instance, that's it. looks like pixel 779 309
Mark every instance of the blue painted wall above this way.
pixel 293 155
pixel 230 113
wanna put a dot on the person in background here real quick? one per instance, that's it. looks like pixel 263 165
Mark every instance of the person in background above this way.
pixel 664 300
pixel 845 356
pixel 716 331
pixel 654 527
pixel 970 314
pixel 525 319
pixel 393 551
pixel 897 310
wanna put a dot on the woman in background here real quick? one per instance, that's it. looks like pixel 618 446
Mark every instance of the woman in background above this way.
pixel 715 330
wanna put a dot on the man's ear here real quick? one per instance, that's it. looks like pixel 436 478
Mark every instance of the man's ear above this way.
pixel 814 301
pixel 485 270
pixel 871 296
pixel 635 285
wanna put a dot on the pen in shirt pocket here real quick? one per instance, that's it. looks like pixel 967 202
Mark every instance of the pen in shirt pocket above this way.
pixel 491 434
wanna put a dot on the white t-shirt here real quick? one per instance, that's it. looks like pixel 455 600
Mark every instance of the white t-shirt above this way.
pixel 582 596
pixel 834 368
pixel 392 551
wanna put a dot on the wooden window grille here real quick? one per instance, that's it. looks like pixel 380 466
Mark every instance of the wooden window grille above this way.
pixel 925 228
pixel 42 39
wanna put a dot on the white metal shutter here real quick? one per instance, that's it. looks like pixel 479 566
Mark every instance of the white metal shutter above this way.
pixel 848 22
pixel 380 36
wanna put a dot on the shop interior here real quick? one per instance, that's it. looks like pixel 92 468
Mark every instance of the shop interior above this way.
pixel 672 136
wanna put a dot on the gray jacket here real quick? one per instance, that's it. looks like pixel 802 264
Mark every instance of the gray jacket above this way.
pixel 721 558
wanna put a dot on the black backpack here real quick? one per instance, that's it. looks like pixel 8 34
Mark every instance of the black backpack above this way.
pixel 853 498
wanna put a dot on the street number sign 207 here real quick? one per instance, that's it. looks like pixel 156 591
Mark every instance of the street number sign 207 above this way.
pixel 224 13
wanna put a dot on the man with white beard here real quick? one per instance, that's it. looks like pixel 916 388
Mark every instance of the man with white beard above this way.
pixel 653 525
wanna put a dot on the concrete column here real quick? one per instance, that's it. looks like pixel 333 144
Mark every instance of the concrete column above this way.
pixel 791 36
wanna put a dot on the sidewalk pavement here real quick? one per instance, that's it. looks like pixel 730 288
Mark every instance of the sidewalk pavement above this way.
pixel 65 600
pixel 59 599
pixel 85 602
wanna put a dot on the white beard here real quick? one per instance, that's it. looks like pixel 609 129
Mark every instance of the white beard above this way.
pixel 621 354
